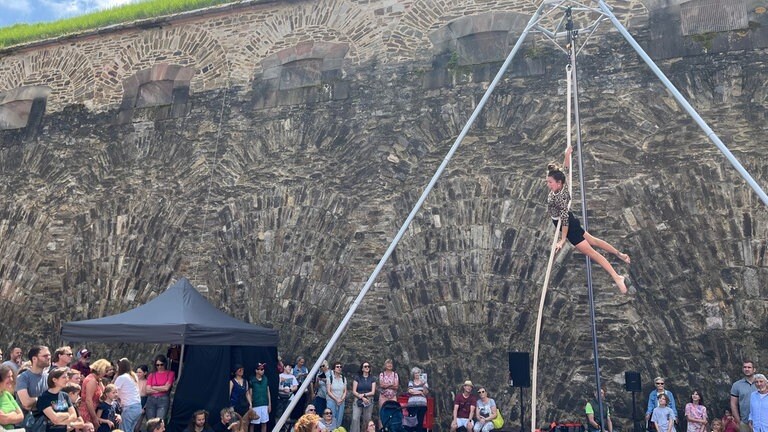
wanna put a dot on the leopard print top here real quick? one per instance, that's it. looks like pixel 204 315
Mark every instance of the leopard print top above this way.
pixel 557 204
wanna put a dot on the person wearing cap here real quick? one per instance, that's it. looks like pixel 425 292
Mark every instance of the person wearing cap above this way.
pixel 83 362
pixel 261 399
pixel 464 408
pixel 758 405
pixel 239 391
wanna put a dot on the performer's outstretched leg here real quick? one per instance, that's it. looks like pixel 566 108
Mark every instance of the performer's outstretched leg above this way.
pixel 604 245
pixel 585 248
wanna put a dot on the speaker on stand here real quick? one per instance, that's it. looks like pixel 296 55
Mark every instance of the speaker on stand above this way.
pixel 632 384
pixel 520 376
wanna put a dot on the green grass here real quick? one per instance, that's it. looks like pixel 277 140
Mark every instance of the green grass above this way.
pixel 21 33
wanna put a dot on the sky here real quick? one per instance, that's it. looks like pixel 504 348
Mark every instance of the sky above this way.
pixel 32 11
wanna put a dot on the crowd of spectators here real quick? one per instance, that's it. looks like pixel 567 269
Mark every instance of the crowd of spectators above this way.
pixel 746 412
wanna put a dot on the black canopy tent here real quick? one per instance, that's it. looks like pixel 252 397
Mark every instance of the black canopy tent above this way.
pixel 212 342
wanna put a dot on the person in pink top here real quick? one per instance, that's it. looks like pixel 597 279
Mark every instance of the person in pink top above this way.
pixel 92 389
pixel 159 385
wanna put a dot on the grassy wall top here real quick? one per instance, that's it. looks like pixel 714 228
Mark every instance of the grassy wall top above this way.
pixel 22 33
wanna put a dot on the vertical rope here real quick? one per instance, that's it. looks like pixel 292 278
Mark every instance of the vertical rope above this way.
pixel 547 275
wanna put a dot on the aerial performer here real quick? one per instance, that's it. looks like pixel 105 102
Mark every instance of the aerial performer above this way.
pixel 558 201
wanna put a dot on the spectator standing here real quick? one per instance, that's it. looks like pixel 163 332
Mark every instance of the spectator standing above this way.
pixel 337 394
pixel 321 388
pixel 127 384
pixel 740 393
pixel 417 398
pixel 239 391
pixel 464 408
pixel 15 359
pixel 285 389
pixel 363 389
pixel 159 385
pixel 758 405
pixel 33 382
pixel 663 417
pixel 653 398
pixel 261 399
pixel 300 371
pixel 55 404
pixel 83 362
pixel 486 411
pixel 62 357
pixel 389 383
pixel 592 408
pixel 10 411
pixel 106 414
pixel 92 390
pixel 696 413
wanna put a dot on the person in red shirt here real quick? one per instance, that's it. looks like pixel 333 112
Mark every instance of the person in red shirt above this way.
pixel 464 408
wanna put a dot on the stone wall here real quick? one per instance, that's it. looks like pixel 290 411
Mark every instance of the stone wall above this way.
pixel 280 145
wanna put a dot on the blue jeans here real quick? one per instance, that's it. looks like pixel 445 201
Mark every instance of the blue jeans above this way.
pixel 338 412
pixel 131 415
pixel 157 406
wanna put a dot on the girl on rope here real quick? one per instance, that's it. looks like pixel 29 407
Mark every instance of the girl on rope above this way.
pixel 557 207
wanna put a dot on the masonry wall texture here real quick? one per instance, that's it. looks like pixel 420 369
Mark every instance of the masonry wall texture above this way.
pixel 270 151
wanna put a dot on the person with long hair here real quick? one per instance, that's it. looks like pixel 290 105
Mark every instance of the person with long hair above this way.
pixel 55 404
pixel 93 388
pixel 107 410
pixel 159 385
pixel 155 425
pixel 127 384
pixel 199 422
pixel 696 413
pixel 558 201
pixel 10 411
pixel 363 389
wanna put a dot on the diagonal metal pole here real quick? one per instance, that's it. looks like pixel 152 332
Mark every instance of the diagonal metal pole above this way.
pixel 683 102
pixel 345 321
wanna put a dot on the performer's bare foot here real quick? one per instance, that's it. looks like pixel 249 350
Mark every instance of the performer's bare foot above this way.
pixel 620 283
pixel 624 257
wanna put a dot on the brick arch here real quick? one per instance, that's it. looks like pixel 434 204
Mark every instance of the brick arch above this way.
pixel 411 34
pixel 189 46
pixel 66 70
pixel 338 21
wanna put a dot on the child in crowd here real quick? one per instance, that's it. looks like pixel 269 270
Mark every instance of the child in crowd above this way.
pixel 663 418
pixel 106 411
pixel 73 390
pixel 717 425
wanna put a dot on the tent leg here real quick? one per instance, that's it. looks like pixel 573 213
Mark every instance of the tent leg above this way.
pixel 181 366
pixel 683 102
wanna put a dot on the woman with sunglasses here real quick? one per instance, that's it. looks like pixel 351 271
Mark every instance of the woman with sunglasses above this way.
pixel 363 389
pixel 486 411
pixel 653 400
pixel 337 394
pixel 326 420
pixel 159 385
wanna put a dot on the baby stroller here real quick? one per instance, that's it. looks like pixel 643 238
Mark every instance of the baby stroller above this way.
pixel 391 415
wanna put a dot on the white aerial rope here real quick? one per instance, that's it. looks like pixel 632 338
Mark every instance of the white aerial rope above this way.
pixel 555 237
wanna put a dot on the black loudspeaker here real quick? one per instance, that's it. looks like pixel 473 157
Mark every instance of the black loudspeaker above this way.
pixel 632 381
pixel 519 369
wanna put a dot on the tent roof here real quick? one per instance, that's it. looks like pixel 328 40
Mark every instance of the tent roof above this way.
pixel 180 315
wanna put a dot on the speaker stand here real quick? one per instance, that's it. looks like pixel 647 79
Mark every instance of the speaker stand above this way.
pixel 634 413
pixel 522 412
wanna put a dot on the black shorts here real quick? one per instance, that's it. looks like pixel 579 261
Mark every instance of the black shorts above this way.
pixel 575 231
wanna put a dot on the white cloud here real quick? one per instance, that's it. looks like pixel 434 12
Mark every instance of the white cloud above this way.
pixel 68 8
